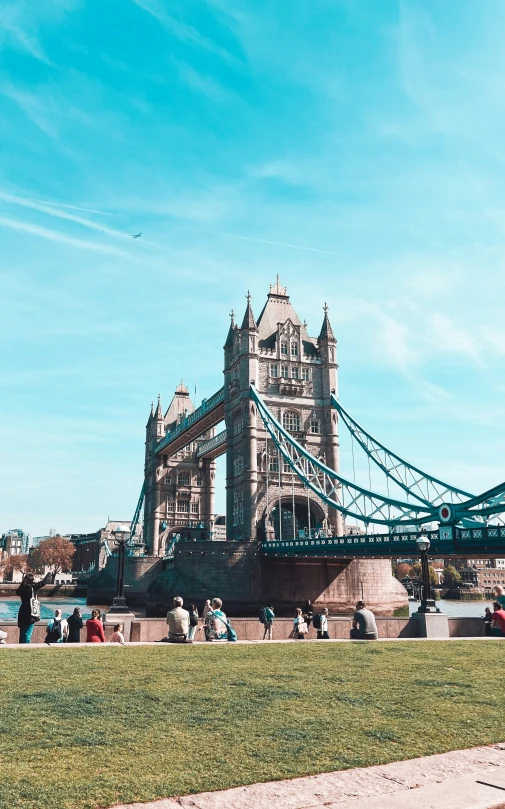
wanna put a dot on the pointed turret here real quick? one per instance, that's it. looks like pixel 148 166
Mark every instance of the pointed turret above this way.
pixel 159 412
pixel 249 321
pixel 231 331
pixel 151 415
pixel 326 330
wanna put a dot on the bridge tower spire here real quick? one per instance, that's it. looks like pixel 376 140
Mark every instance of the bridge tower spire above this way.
pixel 327 345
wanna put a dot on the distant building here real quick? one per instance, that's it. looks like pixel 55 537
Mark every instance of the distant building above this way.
pixel 14 542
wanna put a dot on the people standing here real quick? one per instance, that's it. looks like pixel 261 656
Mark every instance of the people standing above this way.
pixel 57 629
pixel 309 612
pixel 207 608
pixel 267 616
pixel 94 628
pixel 363 623
pixel 178 623
pixel 117 636
pixel 498 620
pixel 193 621
pixel 300 625
pixel 499 595
pixel 29 611
pixel 75 625
pixel 488 617
pixel 322 632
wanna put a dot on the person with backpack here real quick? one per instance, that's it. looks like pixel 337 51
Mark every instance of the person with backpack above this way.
pixel 267 619
pixel 57 629
pixel 320 622
pixel 29 611
pixel 193 621
pixel 217 626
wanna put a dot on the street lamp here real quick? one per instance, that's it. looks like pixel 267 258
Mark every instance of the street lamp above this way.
pixel 121 536
pixel 427 603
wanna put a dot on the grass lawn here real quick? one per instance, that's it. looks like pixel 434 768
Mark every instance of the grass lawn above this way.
pixel 93 727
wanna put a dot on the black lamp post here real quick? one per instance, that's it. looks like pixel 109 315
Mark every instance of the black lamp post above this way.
pixel 121 536
pixel 427 603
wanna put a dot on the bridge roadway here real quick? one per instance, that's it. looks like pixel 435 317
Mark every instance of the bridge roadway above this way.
pixel 191 427
pixel 478 542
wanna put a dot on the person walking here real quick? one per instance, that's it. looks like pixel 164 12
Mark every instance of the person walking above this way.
pixel 193 621
pixel 300 625
pixel 267 616
pixel 309 613
pixel 363 623
pixel 487 621
pixel 94 628
pixel 29 611
pixel 75 625
pixel 322 632
pixel 56 629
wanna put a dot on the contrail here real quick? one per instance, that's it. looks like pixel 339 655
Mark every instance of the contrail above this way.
pixel 264 241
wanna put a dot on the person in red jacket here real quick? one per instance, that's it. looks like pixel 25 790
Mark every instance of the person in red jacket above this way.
pixel 94 628
pixel 498 620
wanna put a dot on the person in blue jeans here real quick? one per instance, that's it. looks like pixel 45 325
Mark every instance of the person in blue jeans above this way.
pixel 268 622
pixel 25 591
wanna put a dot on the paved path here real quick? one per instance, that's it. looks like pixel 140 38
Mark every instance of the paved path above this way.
pixel 463 779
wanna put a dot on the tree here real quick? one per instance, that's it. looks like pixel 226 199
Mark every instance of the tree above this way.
pixel 12 563
pixel 416 570
pixel 451 576
pixel 56 553
pixel 403 570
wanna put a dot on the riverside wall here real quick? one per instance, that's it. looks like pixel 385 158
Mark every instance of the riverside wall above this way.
pixel 152 629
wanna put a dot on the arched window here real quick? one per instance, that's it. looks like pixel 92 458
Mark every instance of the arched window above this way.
pixel 184 478
pixel 284 347
pixel 291 421
pixel 294 349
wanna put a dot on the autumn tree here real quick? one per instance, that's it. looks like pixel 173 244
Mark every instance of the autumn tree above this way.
pixel 56 553
pixel 403 570
pixel 451 576
pixel 15 562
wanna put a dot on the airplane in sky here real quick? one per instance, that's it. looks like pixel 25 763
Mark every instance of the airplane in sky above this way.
pixel 136 235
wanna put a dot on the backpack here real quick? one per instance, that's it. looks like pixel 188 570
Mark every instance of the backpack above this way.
pixel 263 616
pixel 193 619
pixel 55 633
pixel 316 621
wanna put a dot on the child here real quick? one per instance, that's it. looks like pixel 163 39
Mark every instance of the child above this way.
pixel 117 636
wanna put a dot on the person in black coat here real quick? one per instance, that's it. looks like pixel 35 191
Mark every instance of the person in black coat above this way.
pixel 75 625
pixel 25 591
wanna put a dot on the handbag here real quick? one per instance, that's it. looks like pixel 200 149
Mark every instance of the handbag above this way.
pixel 302 628
pixel 34 606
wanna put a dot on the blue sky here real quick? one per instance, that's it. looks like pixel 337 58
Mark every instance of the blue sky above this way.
pixel 367 135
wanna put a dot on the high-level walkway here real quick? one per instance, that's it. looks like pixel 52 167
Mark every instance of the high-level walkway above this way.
pixel 463 779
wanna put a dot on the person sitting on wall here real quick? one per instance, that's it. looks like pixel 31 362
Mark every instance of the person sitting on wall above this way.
pixel 363 623
pixel 498 620
pixel 216 623
pixel 178 623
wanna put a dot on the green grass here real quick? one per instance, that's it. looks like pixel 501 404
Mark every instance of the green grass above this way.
pixel 90 728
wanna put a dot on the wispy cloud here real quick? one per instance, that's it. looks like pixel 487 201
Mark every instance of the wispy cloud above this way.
pixel 263 241
pixel 451 338
pixel 56 236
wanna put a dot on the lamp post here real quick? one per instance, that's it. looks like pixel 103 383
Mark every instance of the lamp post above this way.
pixel 121 536
pixel 427 603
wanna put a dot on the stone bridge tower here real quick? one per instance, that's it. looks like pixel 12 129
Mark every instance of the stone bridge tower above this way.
pixel 295 375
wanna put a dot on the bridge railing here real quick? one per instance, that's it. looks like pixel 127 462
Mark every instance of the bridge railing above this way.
pixel 207 446
pixel 187 421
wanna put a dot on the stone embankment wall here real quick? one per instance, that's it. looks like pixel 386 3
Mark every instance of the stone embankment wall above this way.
pixel 139 573
pixel 152 629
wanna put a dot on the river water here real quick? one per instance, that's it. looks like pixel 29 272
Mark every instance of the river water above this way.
pixel 9 608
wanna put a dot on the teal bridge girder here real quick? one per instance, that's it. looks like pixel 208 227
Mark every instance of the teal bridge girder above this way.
pixel 191 427
pixel 482 542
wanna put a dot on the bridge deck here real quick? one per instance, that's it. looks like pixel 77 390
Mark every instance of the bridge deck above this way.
pixel 210 413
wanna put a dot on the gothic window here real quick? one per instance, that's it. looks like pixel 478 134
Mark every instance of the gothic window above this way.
pixel 294 349
pixel 238 508
pixel 273 463
pixel 306 374
pixel 274 370
pixel 170 505
pixel 238 465
pixel 284 347
pixel 183 506
pixel 195 508
pixel 295 372
pixel 238 426
pixel 198 480
pixel 314 426
pixel 291 421
pixel 168 480
pixel 284 371
pixel 286 467
pixel 184 478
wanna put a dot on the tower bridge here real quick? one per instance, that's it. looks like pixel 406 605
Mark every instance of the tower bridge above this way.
pixel 288 507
